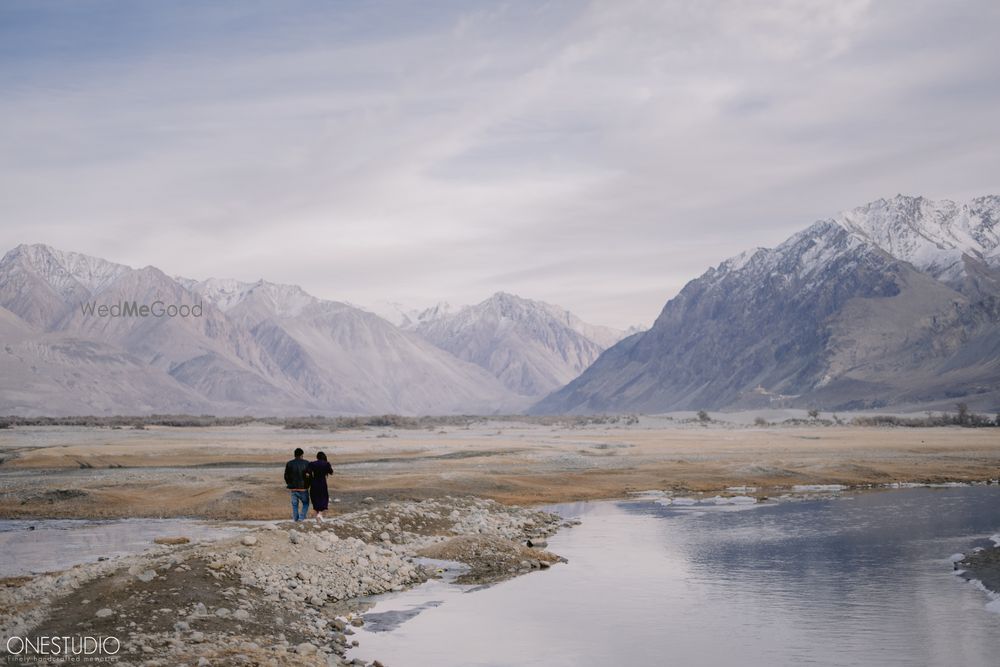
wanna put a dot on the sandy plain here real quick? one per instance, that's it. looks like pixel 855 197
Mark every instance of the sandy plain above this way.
pixel 236 472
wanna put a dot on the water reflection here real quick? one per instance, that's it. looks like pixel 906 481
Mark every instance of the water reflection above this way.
pixel 857 581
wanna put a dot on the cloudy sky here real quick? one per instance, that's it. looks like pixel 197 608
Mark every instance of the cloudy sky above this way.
pixel 592 154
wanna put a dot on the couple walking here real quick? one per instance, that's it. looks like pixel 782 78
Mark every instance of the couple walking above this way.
pixel 307 481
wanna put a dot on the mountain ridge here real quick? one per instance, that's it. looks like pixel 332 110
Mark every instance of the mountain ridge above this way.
pixel 533 347
pixel 263 348
pixel 893 303
pixel 817 321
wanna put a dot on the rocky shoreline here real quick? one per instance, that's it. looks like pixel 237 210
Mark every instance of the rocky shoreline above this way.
pixel 284 594
pixel 982 565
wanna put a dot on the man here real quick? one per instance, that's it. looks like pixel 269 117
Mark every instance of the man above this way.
pixel 297 481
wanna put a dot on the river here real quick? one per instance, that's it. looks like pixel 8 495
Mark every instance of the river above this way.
pixel 848 579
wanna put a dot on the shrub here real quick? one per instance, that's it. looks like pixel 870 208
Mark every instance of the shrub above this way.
pixel 962 413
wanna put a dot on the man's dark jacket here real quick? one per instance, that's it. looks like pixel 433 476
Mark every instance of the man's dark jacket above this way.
pixel 295 474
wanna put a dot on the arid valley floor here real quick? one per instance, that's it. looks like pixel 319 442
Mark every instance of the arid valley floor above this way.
pixel 288 594
pixel 236 472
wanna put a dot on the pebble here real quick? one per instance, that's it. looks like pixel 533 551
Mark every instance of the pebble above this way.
pixel 344 568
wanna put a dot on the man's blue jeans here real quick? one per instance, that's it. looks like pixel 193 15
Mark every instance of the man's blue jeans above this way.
pixel 300 498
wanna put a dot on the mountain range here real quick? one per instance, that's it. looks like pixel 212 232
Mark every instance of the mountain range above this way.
pixel 532 347
pixel 893 303
pixel 255 348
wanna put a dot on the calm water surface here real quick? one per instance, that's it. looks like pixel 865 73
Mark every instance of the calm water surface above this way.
pixel 855 580
pixel 30 546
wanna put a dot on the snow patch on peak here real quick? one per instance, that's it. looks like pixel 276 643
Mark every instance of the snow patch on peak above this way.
pixel 227 293
pixel 931 235
pixel 288 300
pixel 64 270
pixel 737 262
pixel 224 293
pixel 392 311
pixel 531 346
pixel 435 312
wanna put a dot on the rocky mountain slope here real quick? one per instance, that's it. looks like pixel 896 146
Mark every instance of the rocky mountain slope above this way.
pixel 353 360
pixel 255 348
pixel 892 303
pixel 531 346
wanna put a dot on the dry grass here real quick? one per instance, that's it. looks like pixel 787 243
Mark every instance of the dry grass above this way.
pixel 235 473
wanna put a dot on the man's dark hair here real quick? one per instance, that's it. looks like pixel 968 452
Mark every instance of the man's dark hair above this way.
pixel 321 456
pixel 298 452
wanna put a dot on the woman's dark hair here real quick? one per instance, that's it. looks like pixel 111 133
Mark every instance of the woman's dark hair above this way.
pixel 321 456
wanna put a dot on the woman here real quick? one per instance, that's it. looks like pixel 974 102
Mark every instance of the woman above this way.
pixel 318 493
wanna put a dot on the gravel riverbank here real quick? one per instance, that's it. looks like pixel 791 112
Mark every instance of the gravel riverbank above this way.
pixel 287 594
pixel 983 565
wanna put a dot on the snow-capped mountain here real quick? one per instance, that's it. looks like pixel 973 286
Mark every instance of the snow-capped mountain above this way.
pixel 351 360
pixel 895 302
pixel 937 237
pixel 258 348
pixel 531 346
pixel 40 282
pixel 408 318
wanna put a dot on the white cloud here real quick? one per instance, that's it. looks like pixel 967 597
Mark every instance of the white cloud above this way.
pixel 593 155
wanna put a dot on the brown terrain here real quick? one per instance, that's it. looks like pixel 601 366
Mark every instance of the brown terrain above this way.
pixel 283 594
pixel 236 472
